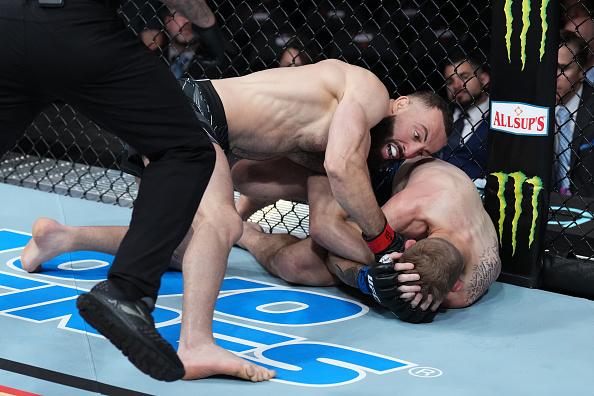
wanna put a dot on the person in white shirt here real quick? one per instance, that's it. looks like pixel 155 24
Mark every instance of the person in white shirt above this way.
pixel 466 81
pixel 573 106
pixel 583 25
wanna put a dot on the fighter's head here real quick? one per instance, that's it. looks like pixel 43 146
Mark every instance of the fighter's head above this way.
pixel 418 124
pixel 438 262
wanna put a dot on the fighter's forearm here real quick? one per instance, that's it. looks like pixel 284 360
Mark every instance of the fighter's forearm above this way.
pixel 197 11
pixel 328 225
pixel 345 162
pixel 345 270
pixel 352 189
pixel 341 238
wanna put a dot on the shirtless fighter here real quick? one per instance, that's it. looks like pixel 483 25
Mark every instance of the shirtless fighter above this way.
pixel 317 117
pixel 431 199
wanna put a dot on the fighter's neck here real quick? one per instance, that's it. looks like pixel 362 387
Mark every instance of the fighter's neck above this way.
pixel 459 241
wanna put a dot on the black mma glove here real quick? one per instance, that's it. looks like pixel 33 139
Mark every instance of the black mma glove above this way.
pixel 386 242
pixel 405 312
pixel 381 282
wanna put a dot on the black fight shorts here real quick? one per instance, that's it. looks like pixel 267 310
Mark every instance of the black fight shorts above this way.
pixel 208 109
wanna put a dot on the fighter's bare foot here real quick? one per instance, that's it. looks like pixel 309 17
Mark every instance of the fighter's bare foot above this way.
pixel 50 239
pixel 248 230
pixel 209 359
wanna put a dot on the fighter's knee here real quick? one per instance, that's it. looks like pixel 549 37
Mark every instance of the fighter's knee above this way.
pixel 286 268
pixel 290 268
pixel 225 222
pixel 235 226
pixel 240 176
pixel 317 228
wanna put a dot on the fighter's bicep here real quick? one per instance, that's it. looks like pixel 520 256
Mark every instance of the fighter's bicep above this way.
pixel 401 209
pixel 349 128
pixel 364 87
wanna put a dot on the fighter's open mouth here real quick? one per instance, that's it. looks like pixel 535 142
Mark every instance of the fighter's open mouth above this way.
pixel 393 151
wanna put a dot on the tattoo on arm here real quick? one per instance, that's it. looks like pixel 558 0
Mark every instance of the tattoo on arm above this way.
pixel 348 276
pixel 345 270
pixel 197 11
pixel 484 274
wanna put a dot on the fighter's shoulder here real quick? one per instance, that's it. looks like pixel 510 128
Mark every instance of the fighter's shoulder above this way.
pixel 439 171
pixel 351 75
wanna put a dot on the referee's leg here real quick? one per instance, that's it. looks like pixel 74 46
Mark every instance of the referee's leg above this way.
pixel 108 74
pixel 19 101
pixel 92 62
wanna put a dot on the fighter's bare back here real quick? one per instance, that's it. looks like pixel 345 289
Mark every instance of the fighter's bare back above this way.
pixel 446 205
pixel 287 111
pixel 441 201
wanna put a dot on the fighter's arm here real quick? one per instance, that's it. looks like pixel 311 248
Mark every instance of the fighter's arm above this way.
pixel 348 272
pixel 483 274
pixel 401 209
pixel 328 223
pixel 386 282
pixel 348 146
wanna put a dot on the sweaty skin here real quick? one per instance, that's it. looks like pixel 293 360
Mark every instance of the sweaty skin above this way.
pixel 319 116
pixel 314 118
pixel 432 199
pixel 435 199
pixel 281 111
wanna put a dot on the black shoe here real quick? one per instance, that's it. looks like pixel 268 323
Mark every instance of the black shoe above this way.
pixel 130 327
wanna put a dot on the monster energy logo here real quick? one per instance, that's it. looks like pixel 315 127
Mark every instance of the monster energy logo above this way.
pixel 518 179
pixel 509 19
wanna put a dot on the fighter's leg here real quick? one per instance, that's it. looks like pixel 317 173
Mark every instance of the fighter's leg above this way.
pixel 262 183
pixel 51 238
pixel 288 257
pixel 216 227
pixel 246 206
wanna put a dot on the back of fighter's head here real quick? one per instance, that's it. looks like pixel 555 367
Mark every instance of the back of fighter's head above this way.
pixel 438 262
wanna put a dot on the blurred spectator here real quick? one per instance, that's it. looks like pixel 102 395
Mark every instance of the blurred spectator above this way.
pixel 144 18
pixel 153 38
pixel 581 22
pixel 574 8
pixel 574 140
pixel 187 39
pixel 183 46
pixel 293 56
pixel 466 82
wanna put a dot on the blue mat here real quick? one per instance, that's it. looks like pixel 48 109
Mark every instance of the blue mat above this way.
pixel 325 341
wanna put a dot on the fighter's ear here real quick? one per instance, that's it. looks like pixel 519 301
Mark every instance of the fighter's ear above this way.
pixel 409 243
pixel 400 103
pixel 485 78
pixel 457 286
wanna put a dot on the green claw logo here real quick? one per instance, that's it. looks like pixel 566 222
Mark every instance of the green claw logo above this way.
pixel 518 179
pixel 509 18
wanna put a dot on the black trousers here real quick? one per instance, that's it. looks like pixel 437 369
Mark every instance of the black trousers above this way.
pixel 82 54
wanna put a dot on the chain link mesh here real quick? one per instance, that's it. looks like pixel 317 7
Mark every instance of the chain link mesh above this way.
pixel 572 202
pixel 405 43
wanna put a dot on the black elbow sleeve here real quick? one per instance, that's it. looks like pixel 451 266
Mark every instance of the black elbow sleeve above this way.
pixel 212 40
